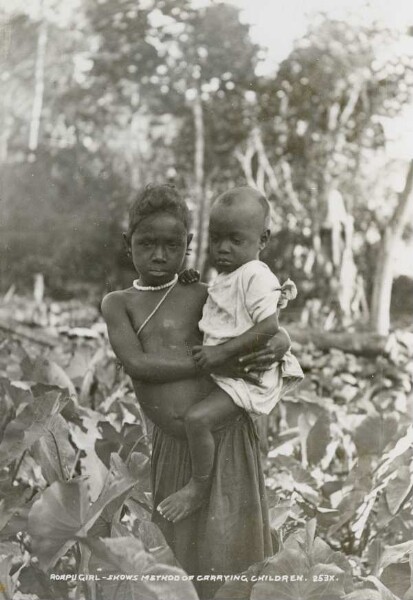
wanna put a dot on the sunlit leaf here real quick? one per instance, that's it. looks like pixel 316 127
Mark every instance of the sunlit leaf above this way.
pixel 398 489
pixel 63 512
pixel 128 556
pixel 313 582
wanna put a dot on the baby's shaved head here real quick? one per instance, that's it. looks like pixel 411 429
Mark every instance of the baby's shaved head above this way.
pixel 246 197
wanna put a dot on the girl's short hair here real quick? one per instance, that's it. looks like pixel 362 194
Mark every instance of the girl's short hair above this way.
pixel 155 199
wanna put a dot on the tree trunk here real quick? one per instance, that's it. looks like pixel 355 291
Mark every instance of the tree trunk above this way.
pixel 199 176
pixel 383 277
pixel 38 83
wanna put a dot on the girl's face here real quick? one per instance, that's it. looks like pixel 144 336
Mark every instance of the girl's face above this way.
pixel 158 247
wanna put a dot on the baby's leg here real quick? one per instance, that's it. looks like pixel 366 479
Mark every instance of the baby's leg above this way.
pixel 200 421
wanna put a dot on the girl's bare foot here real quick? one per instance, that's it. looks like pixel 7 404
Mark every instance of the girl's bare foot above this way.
pixel 184 502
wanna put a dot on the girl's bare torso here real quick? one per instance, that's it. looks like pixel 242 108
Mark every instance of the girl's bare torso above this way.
pixel 173 330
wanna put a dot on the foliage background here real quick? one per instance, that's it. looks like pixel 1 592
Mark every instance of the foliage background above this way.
pixel 97 99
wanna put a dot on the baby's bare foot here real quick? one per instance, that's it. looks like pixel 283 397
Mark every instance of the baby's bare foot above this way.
pixel 184 502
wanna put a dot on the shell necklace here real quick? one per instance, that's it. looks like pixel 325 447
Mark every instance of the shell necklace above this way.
pixel 154 288
pixel 171 284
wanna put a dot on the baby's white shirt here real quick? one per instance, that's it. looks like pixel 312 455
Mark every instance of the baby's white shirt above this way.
pixel 237 301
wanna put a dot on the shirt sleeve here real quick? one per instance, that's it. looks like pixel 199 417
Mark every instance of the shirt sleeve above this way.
pixel 262 291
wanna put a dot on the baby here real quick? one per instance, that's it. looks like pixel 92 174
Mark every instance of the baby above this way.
pixel 240 314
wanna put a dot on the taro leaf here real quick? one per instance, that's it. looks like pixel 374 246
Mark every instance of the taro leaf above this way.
pixel 12 498
pixel 105 521
pixel 374 433
pixel 34 581
pixel 318 439
pixel 85 436
pixel 294 563
pixel 155 542
pixel 305 422
pixel 397 577
pixel 42 370
pixel 15 392
pixel 11 397
pixel 54 452
pixel 110 441
pixel 132 438
pixel 127 555
pixel 310 527
pixel 139 465
pixel 56 518
pixel 240 590
pixel 395 554
pixel 33 422
pixel 14 517
pixel 279 515
pixel 139 512
pixel 385 592
pixel 319 552
pixel 150 535
pixel 398 489
pixel 63 512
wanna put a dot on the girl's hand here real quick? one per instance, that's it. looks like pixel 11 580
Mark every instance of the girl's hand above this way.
pixel 208 358
pixel 234 369
pixel 189 276
pixel 273 352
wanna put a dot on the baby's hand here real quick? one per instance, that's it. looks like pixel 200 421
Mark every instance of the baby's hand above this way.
pixel 189 276
pixel 207 357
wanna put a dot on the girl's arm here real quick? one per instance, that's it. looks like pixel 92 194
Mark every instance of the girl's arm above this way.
pixel 273 351
pixel 148 368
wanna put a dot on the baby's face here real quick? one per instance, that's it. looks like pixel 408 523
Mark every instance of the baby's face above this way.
pixel 236 236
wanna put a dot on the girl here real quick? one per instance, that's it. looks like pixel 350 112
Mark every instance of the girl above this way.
pixel 231 530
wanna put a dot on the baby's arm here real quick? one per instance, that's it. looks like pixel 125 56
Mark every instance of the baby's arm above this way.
pixel 254 338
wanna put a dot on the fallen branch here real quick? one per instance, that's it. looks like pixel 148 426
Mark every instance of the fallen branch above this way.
pixel 363 344
pixel 14 328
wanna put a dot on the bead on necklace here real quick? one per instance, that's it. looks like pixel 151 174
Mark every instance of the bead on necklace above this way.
pixel 154 288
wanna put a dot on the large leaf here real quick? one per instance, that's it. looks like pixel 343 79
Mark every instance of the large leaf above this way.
pixel 42 370
pixel 240 590
pixel 398 489
pixel 398 578
pixel 313 582
pixel 128 556
pixel 34 421
pixel 279 514
pixel 12 499
pixel 85 434
pixel 56 518
pixel 395 554
pixel 385 592
pixel 63 512
pixel 318 439
pixel 374 433
pixel 317 551
pixel 54 453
